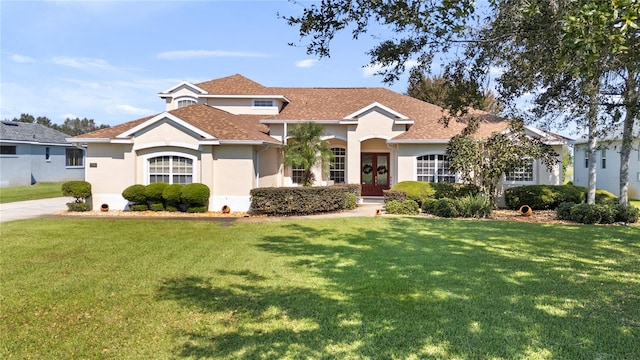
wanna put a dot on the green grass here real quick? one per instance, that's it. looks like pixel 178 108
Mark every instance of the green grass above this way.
pixel 43 190
pixel 390 287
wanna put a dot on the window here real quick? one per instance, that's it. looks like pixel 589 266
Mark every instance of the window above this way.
pixel 297 175
pixel 434 168
pixel 603 158
pixel 263 103
pixel 75 157
pixel 47 153
pixel 185 102
pixel 338 165
pixel 586 158
pixel 171 170
pixel 524 173
pixel 7 149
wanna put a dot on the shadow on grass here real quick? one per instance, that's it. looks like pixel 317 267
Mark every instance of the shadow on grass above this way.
pixel 427 288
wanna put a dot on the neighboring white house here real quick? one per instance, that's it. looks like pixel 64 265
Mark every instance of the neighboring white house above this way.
pixel 227 133
pixel 608 162
pixel 31 153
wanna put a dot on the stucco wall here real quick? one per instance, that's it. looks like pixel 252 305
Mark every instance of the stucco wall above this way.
pixel 233 177
pixel 29 166
pixel 608 178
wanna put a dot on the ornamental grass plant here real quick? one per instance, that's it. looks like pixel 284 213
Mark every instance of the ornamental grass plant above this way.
pixel 350 288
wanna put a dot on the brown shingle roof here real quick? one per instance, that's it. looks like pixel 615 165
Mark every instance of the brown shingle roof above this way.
pixel 311 104
pixel 220 124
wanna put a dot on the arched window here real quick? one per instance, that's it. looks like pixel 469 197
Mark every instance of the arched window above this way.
pixel 185 102
pixel 170 169
pixel 338 165
pixel 434 168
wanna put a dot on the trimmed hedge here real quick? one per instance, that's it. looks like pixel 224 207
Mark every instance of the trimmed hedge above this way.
pixel 154 192
pixel 171 194
pixel 406 207
pixel 597 213
pixel 420 190
pixel 545 197
pixel 301 200
pixel 81 190
pixel 136 194
pixel 77 207
pixel 195 194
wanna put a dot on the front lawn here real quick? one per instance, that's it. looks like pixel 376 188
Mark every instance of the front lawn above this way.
pixel 352 288
pixel 43 190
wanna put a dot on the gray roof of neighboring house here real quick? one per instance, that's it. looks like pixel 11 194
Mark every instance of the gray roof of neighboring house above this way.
pixel 32 133
pixel 613 133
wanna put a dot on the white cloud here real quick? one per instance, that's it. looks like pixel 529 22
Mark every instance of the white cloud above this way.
pixel 307 63
pixel 68 116
pixel 83 63
pixel 22 59
pixel 131 110
pixel 201 54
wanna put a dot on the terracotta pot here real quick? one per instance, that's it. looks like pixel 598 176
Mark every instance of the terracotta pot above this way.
pixel 104 207
pixel 226 209
pixel 525 210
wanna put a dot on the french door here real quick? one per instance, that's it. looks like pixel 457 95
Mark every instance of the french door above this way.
pixel 374 173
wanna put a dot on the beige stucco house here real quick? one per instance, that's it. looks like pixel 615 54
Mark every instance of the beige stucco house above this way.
pixel 227 133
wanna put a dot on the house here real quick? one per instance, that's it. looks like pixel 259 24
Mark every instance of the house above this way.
pixel 227 133
pixel 31 153
pixel 608 162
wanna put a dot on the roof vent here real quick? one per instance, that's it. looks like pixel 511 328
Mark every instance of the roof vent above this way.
pixel 10 123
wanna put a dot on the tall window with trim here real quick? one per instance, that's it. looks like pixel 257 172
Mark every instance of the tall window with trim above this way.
pixel 434 168
pixel 171 170
pixel 524 173
pixel 297 175
pixel 74 157
pixel 338 165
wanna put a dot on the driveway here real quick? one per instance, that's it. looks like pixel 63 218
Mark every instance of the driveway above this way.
pixel 32 208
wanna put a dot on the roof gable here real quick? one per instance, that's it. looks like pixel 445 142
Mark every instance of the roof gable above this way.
pixel 161 117
pixel 184 85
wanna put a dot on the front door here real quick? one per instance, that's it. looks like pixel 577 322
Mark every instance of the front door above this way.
pixel 374 173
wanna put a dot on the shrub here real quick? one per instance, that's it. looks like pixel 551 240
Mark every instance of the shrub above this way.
pixel 135 194
pixel 139 207
pixel 593 214
pixel 77 206
pixel 607 213
pixel 445 208
pixel 197 209
pixel 154 192
pixel 171 194
pixel 627 213
pixel 80 190
pixel 543 197
pixel 473 206
pixel 406 207
pixel 300 200
pixel 171 208
pixel 429 205
pixel 157 207
pixel 605 197
pixel 563 212
pixel 195 194
pixel 350 201
pixel 397 195
pixel 418 191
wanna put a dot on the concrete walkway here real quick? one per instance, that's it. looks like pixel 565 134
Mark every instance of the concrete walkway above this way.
pixel 36 208
pixel 32 208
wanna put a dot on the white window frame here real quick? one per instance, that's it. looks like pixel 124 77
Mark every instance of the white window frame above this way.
pixel 343 170
pixel 297 174
pixel 436 176
pixel 263 103
pixel 66 158
pixel 195 176
pixel 520 175
pixel 190 100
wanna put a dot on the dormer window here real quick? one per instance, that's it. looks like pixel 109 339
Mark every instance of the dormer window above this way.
pixel 185 102
pixel 263 103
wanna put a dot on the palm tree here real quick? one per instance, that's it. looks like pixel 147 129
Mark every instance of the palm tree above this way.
pixel 305 149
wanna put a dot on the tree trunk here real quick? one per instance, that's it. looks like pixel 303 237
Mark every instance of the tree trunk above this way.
pixel 592 118
pixel 631 100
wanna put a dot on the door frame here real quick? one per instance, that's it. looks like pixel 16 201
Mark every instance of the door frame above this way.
pixel 374 189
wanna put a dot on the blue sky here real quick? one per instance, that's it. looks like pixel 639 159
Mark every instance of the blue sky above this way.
pixel 108 60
